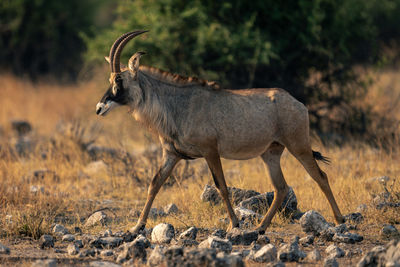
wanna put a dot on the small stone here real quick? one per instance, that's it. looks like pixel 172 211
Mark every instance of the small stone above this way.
pixel 72 249
pixel 98 217
pixel 59 229
pixel 334 251
pixel 44 263
pixel 46 241
pixel 190 233
pixel 331 262
pixel 171 209
pixel 348 238
pixel 266 254
pixel 390 231
pixel 68 238
pixel 217 243
pixel 314 255
pixel 87 253
pixel 313 222
pixel 240 237
pixel 135 250
pixel 290 252
pixel 107 253
pixel 4 249
pixel 163 233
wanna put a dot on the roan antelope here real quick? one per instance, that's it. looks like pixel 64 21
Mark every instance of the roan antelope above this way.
pixel 195 119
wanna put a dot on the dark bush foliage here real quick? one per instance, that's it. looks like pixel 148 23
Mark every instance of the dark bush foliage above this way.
pixel 41 37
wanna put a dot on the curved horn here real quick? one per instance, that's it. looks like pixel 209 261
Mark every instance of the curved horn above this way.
pixel 115 64
pixel 114 47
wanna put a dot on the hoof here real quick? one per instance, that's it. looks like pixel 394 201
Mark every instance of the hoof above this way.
pixel 259 230
pixel 231 226
pixel 137 229
pixel 340 220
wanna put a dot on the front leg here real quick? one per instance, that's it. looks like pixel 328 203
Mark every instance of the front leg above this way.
pixel 214 163
pixel 169 162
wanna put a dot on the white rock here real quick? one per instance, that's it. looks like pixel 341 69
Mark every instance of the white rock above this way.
pixel 312 221
pixel 267 253
pixel 163 233
pixel 334 251
pixel 218 243
pixel 244 214
pixel 98 217
pixel 190 233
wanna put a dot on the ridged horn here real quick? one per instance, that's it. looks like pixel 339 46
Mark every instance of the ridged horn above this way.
pixel 114 47
pixel 120 44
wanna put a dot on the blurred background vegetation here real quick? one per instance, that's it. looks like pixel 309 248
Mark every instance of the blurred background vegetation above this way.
pixel 317 50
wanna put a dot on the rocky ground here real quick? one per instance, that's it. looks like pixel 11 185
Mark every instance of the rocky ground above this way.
pixel 307 240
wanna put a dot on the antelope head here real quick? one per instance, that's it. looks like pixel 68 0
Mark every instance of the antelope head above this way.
pixel 124 87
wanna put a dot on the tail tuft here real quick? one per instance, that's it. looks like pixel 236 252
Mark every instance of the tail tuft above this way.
pixel 318 156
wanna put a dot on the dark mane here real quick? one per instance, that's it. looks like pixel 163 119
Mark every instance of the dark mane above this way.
pixel 176 79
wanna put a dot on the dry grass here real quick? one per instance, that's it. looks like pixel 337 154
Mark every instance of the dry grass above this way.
pixel 74 192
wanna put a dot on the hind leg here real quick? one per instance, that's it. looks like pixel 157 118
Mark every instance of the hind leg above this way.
pixel 271 159
pixel 306 158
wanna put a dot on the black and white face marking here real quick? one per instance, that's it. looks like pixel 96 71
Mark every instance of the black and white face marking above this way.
pixel 115 96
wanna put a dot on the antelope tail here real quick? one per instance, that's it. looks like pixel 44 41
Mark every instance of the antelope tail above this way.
pixel 318 156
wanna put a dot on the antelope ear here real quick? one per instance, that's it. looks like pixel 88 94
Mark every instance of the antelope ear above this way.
pixel 107 59
pixel 133 64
